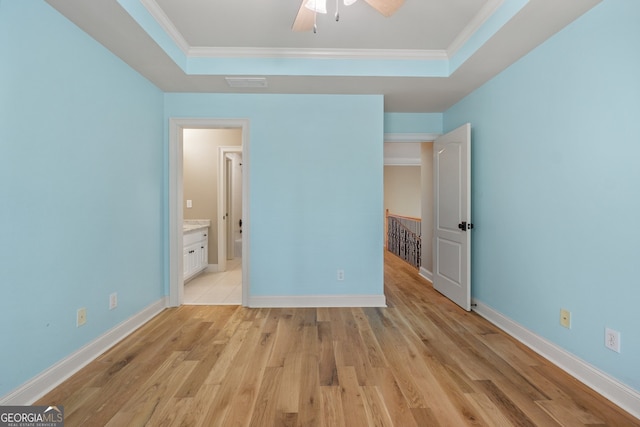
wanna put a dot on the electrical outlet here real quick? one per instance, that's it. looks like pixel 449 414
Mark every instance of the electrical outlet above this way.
pixel 81 318
pixel 113 300
pixel 612 339
pixel 340 274
pixel 565 318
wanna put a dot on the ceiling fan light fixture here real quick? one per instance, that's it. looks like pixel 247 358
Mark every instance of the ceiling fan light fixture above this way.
pixel 349 2
pixel 318 6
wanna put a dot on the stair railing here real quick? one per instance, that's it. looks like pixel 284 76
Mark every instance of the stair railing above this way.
pixel 403 238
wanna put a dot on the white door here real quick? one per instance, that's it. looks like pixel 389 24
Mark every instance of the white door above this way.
pixel 452 216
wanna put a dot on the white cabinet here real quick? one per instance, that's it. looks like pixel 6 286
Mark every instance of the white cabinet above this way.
pixel 195 252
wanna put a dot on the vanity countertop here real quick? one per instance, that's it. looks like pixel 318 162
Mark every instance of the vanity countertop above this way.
pixel 195 224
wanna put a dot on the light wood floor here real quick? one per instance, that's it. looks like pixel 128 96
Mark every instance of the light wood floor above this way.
pixel 419 362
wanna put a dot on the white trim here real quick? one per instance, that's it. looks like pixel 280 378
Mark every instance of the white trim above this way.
pixel 176 126
pixel 487 11
pixel 426 274
pixel 167 24
pixel 222 223
pixel 619 393
pixel 410 137
pixel 176 215
pixel 48 379
pixel 311 53
pixel 299 301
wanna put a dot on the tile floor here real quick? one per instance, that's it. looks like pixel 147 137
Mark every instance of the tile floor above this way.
pixel 223 288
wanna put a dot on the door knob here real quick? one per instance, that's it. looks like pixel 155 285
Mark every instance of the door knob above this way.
pixel 464 226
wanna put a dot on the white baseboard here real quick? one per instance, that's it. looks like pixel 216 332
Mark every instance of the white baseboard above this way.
pixel 426 274
pixel 619 393
pixel 44 382
pixel 295 301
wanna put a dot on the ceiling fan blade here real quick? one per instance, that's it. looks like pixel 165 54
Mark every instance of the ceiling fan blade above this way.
pixel 385 7
pixel 304 19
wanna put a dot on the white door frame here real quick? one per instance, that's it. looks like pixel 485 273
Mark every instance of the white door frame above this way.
pixel 176 218
pixel 223 200
pixel 427 224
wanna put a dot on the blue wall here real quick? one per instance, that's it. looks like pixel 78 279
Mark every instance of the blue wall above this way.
pixel 81 190
pixel 413 123
pixel 316 164
pixel 556 187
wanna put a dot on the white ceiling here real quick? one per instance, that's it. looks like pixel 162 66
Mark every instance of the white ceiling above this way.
pixel 466 41
pixel 265 23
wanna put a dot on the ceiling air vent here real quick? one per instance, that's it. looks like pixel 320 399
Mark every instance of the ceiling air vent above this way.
pixel 246 81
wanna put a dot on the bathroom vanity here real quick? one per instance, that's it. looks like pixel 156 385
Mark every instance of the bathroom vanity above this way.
pixel 195 247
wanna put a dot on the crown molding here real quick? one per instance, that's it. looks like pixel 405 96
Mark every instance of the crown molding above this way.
pixel 258 52
pixel 167 25
pixel 474 25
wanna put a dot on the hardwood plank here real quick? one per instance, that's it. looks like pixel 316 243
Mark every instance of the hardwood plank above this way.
pixel 285 338
pixel 490 414
pixel 226 358
pixel 375 356
pixel 331 411
pixel 354 412
pixel 309 400
pixel 328 372
pixel 514 413
pixel 425 417
pixel 247 392
pixel 171 414
pixel 199 407
pixel 395 401
pixel 289 396
pixel 567 413
pixel 196 379
pixel 264 413
pixel 377 413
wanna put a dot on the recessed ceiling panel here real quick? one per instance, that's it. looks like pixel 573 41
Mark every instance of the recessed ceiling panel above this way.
pixel 418 24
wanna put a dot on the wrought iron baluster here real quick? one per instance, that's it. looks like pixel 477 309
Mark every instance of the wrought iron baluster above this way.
pixel 403 241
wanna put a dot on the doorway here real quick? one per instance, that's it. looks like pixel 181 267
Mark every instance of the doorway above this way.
pixel 176 197
pixel 416 149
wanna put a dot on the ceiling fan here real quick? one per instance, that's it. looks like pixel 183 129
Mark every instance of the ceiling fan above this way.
pixel 306 17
